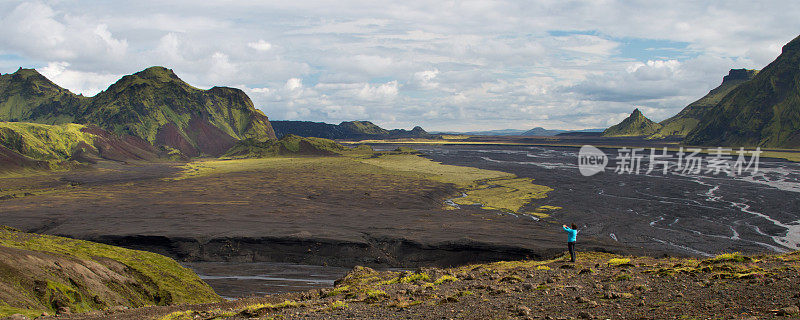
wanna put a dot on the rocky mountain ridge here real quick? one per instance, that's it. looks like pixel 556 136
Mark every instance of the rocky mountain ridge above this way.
pixel 153 104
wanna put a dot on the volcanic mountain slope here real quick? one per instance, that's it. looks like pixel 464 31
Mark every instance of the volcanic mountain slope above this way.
pixel 764 111
pixel 351 130
pixel 52 274
pixel 634 125
pixel 686 120
pixel 41 146
pixel 159 107
pixel 153 104
pixel 26 95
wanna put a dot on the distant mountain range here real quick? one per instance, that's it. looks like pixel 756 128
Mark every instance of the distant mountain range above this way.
pixel 348 130
pixel 538 131
pixel 499 132
pixel 154 105
pixel 750 108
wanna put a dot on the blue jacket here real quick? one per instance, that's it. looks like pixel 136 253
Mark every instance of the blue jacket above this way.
pixel 573 234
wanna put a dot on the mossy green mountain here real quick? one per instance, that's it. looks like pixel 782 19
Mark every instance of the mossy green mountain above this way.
pixel 44 142
pixel 686 120
pixel 363 127
pixel 764 111
pixel 26 95
pixel 159 107
pixel 153 104
pixel 634 125
pixel 42 273
pixel 35 145
pixel 288 145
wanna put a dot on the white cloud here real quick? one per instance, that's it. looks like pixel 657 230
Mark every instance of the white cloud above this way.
pixel 32 27
pixel 425 79
pixel 443 65
pixel 380 92
pixel 114 46
pixel 261 90
pixel 293 84
pixel 87 83
pixel 37 30
pixel 587 44
pixel 357 26
pixel 221 68
pixel 168 48
pixel 260 45
pixel 654 70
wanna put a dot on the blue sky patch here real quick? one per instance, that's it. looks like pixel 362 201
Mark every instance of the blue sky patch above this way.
pixel 639 49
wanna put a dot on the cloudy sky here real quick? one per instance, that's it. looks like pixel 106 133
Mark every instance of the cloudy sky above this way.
pixel 444 65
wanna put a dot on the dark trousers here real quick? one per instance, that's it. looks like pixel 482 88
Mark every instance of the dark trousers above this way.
pixel 571 247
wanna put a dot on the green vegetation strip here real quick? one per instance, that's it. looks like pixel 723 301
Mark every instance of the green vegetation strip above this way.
pixel 43 142
pixel 492 190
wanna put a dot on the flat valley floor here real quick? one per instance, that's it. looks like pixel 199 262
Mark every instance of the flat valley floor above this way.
pixel 334 211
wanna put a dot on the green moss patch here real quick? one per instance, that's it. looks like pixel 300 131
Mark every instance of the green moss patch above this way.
pixel 43 142
pixel 86 276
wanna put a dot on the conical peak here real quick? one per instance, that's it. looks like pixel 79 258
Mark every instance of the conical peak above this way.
pixel 27 72
pixel 157 73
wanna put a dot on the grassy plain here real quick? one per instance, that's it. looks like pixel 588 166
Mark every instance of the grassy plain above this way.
pixel 492 190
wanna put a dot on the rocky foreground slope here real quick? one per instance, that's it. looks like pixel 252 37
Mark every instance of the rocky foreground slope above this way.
pixel 598 286
pixel 42 274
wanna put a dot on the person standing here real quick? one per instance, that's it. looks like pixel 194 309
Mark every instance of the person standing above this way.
pixel 572 236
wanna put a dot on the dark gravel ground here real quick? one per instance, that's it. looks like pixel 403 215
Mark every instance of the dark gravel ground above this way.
pixel 598 286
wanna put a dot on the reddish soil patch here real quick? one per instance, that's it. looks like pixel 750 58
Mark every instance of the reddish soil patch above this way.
pixel 209 139
pixel 170 135
pixel 123 148
pixel 11 160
